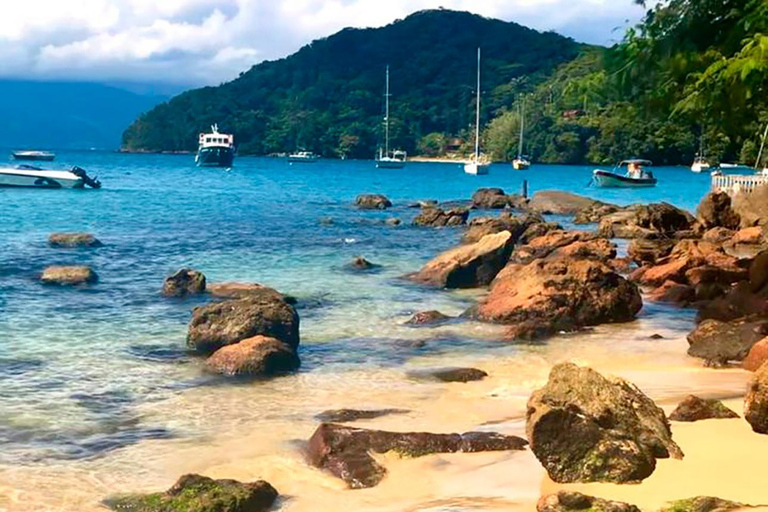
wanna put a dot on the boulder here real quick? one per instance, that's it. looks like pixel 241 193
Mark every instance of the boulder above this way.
pixel 746 243
pixel 254 357
pixel 715 211
pixel 646 221
pixel 703 504
pixel 538 229
pixel 756 401
pixel 752 208
pixel 372 202
pixel 68 275
pixel 229 322
pixel 548 296
pixel 350 415
pixel 758 355
pixel 195 493
pixel 565 244
pixel 490 198
pixel 734 303
pixel 694 408
pixel 428 318
pixel 235 290
pixel 462 375
pixel 468 266
pixel 717 235
pixel 594 213
pixel 584 427
pixel 569 501
pixel 515 224
pixel 559 202
pixel 675 293
pixel 70 240
pixel 346 452
pixel 184 282
pixel 439 218
pixel 720 342
pixel 758 272
pixel 648 251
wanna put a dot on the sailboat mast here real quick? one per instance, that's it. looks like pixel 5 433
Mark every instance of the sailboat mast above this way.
pixel 522 126
pixel 386 118
pixel 477 117
pixel 762 147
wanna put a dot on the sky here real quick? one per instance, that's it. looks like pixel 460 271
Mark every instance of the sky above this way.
pixel 206 42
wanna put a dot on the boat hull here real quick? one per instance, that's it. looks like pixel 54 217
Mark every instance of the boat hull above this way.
pixel 700 167
pixel 390 164
pixel 476 168
pixel 605 179
pixel 215 156
pixel 34 157
pixel 39 179
pixel 521 165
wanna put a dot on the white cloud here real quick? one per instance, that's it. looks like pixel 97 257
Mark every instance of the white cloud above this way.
pixel 210 41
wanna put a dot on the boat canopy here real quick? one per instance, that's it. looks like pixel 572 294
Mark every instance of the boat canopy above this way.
pixel 636 161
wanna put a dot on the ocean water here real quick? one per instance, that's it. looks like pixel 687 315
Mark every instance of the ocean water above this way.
pixel 96 380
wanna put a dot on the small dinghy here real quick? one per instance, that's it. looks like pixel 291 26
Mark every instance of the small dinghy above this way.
pixel 636 176
pixel 34 177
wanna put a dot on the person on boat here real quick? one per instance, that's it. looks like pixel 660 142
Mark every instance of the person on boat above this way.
pixel 634 170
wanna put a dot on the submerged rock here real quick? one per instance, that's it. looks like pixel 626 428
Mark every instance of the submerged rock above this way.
pixel 702 504
pixel 428 318
pixel 756 401
pixel 195 493
pixel 184 282
pixel 463 375
pixel 70 240
pixel 567 501
pixel 468 266
pixel 345 451
pixel 720 342
pixel 584 427
pixel 547 296
pixel 360 263
pixel 373 202
pixel 439 218
pixel 226 323
pixel 235 290
pixel 69 275
pixel 254 357
pixel 350 415
pixel 694 408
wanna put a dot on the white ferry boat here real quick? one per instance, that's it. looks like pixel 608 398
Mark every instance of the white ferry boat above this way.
pixel 215 149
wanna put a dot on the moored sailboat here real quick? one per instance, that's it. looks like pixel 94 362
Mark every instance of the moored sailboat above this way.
pixel 386 159
pixel 521 163
pixel 476 165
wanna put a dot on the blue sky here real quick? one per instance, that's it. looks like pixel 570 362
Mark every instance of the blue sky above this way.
pixel 201 42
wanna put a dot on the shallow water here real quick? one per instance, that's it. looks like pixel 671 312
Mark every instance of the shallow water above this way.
pixel 97 394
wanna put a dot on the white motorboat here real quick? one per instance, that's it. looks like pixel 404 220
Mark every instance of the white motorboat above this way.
pixel 306 157
pixel 386 159
pixel 700 164
pixel 40 156
pixel 476 165
pixel 521 163
pixel 636 176
pixel 35 177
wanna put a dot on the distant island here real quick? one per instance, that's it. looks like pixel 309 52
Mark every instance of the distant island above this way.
pixel 663 93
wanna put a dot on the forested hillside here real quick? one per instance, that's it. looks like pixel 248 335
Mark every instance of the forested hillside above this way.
pixel 329 96
pixel 691 69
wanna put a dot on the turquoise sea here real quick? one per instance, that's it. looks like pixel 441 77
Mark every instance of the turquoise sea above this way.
pixel 87 373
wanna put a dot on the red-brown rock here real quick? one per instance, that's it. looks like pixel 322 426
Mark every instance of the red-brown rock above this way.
pixel 254 357
pixel 756 401
pixel 673 292
pixel 758 355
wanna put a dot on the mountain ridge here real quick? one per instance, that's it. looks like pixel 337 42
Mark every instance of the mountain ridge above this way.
pixel 328 96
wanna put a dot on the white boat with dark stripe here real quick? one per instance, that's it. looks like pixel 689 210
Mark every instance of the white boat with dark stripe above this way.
pixel 27 176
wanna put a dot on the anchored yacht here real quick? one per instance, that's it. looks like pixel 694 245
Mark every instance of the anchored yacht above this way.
pixel 215 149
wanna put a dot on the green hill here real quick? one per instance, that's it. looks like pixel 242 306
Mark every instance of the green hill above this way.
pixel 328 97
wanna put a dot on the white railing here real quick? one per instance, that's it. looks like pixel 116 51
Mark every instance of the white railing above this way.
pixel 733 184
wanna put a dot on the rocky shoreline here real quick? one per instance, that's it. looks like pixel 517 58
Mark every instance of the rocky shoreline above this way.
pixel 540 281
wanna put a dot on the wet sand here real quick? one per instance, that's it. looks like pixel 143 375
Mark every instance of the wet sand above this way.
pixel 257 431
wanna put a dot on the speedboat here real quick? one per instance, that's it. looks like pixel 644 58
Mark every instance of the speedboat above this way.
pixel 700 164
pixel 40 156
pixel 307 157
pixel 35 177
pixel 393 160
pixel 215 149
pixel 636 175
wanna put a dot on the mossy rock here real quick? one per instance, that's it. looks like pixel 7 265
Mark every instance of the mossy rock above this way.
pixel 702 504
pixel 195 493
